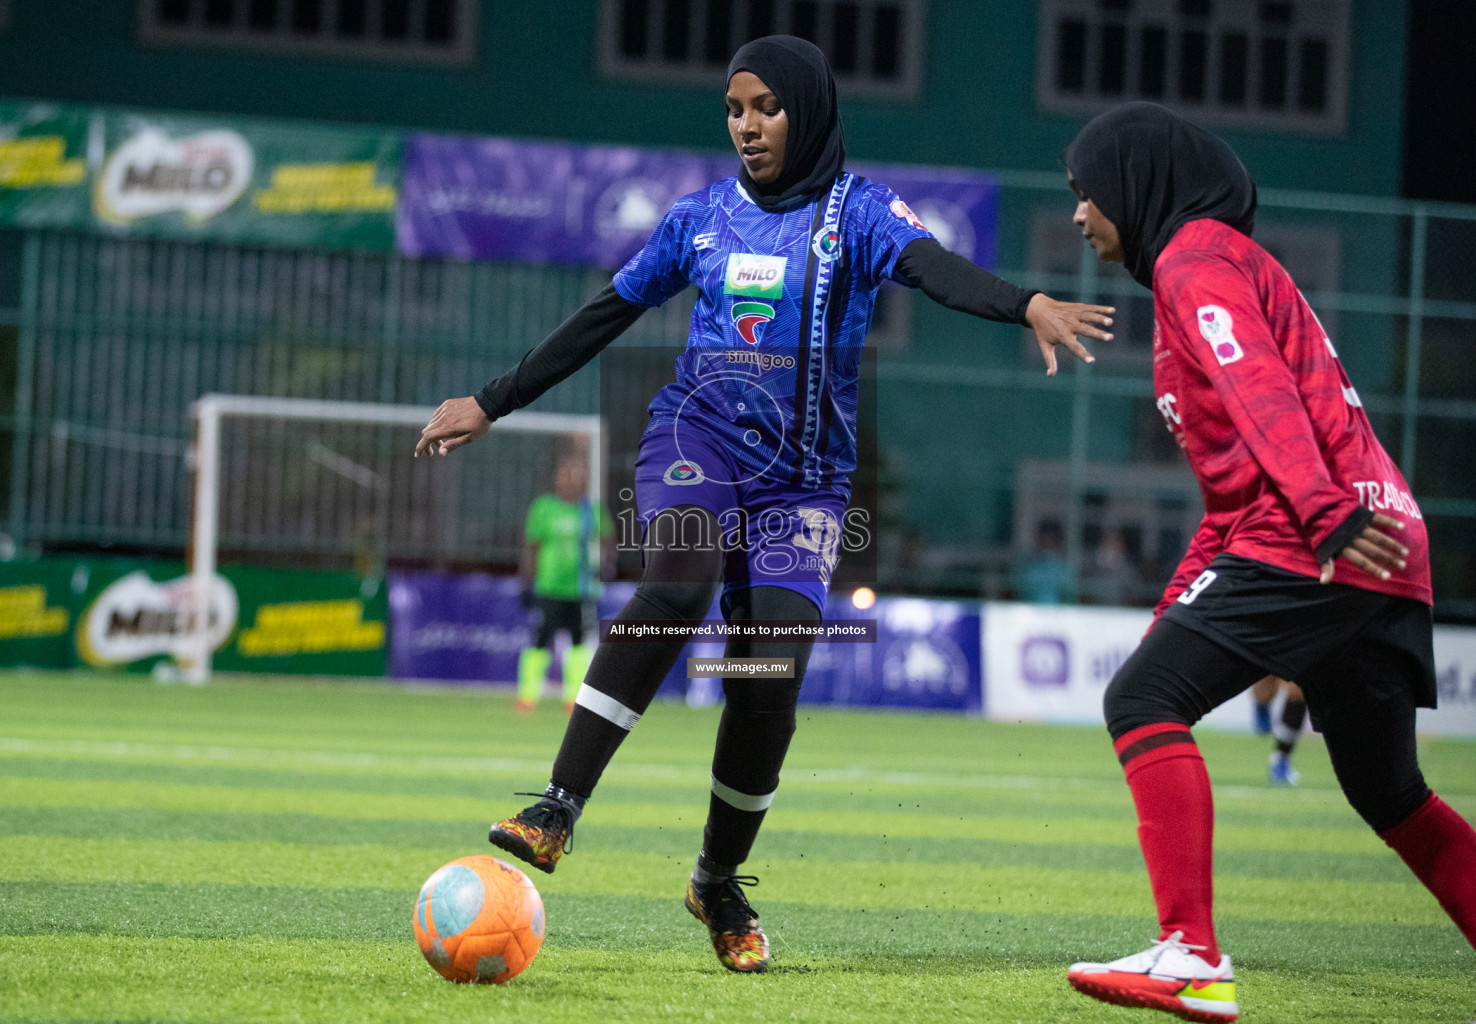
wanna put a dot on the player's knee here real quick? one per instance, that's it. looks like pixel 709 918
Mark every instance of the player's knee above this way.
pixel 680 601
pixel 1134 699
pixel 1383 801
pixel 763 696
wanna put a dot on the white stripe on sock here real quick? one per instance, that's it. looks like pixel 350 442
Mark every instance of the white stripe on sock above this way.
pixel 742 801
pixel 606 707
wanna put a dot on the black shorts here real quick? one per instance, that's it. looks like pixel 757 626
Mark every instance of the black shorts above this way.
pixel 554 615
pixel 1327 638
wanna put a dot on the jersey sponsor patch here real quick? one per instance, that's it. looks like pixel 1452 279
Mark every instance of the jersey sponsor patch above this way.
pixel 683 471
pixel 1218 329
pixel 826 244
pixel 904 211
pixel 750 274
pixel 749 316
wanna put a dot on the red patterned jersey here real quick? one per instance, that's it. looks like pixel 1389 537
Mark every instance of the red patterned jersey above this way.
pixel 1253 391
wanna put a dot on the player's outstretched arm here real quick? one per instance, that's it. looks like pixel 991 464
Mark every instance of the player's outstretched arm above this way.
pixel 1372 550
pixel 950 280
pixel 460 421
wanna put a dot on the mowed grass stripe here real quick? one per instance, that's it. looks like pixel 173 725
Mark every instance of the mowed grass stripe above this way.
pixel 175 979
pixel 1116 832
pixel 803 788
pixel 1312 808
pixel 684 841
pixel 1451 764
pixel 648 923
pixel 827 883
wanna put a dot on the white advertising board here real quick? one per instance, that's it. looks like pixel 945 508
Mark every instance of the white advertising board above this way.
pixel 1455 680
pixel 1045 663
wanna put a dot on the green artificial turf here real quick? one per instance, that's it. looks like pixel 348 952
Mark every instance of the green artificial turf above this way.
pixel 250 851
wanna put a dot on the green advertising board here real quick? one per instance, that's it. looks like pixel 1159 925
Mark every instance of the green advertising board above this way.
pixel 37 602
pixel 306 622
pixel 43 166
pixel 248 182
pixel 138 615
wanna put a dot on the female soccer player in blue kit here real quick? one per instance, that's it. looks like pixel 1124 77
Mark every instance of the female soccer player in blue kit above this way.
pixel 742 476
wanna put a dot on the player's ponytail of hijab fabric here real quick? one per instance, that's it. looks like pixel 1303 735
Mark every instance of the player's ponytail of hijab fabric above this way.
pixel 1151 172
pixel 815 153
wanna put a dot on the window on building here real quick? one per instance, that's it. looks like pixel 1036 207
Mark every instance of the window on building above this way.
pixel 440 31
pixel 1280 64
pixel 873 45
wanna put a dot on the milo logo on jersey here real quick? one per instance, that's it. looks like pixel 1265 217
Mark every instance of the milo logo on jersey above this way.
pixel 748 317
pixel 759 276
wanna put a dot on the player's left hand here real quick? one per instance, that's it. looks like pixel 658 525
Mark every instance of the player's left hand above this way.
pixel 457 422
pixel 1373 550
pixel 1059 323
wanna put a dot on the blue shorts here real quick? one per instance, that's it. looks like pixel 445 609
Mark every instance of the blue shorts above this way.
pixel 774 533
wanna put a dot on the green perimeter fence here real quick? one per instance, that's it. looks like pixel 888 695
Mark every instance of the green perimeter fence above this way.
pixel 993 479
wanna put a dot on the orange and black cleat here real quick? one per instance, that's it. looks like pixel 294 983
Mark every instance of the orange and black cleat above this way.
pixel 538 835
pixel 739 942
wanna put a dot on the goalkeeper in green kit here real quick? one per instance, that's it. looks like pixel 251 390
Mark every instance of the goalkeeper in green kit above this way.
pixel 568 538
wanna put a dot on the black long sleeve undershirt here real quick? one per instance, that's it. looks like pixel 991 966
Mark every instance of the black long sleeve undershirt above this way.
pixel 952 281
pixel 946 278
pixel 572 344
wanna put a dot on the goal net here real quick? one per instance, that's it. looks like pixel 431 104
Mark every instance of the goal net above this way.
pixel 311 482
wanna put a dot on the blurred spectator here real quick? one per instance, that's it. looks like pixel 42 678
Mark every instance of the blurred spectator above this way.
pixel 1110 574
pixel 1044 575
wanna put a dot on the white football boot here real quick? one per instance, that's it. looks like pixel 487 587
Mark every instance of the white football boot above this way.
pixel 1169 976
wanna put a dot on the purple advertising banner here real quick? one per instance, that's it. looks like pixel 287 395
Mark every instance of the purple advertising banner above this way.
pixel 471 628
pixel 547 202
pixel 467 628
pixel 926 656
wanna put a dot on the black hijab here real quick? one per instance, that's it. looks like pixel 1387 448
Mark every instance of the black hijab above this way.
pixel 815 152
pixel 1151 172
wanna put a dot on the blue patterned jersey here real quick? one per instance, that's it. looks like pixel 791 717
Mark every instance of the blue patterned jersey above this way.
pixel 772 364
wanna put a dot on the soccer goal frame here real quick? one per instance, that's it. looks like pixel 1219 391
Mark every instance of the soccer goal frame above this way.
pixel 210 410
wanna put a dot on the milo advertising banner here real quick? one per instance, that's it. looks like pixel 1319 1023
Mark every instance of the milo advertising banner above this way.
pixel 250 182
pixel 43 166
pixel 139 615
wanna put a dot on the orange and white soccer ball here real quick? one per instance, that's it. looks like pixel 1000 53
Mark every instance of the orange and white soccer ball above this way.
pixel 479 919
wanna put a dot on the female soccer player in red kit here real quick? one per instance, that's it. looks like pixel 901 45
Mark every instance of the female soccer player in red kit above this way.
pixel 1311 563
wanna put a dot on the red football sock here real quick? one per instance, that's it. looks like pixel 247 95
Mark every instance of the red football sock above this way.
pixel 1440 848
pixel 1176 827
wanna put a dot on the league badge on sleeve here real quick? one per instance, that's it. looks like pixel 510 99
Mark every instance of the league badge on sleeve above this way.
pixel 683 471
pixel 904 211
pixel 1217 328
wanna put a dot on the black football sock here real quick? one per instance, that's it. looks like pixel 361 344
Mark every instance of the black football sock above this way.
pixel 621 682
pixel 1289 728
pixel 710 872
pixel 758 721
pixel 683 567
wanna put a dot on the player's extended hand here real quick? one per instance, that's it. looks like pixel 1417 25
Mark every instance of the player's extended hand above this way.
pixel 1373 550
pixel 1059 323
pixel 457 422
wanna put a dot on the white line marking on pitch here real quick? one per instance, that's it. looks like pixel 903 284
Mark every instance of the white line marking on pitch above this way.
pixel 627 772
